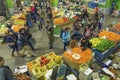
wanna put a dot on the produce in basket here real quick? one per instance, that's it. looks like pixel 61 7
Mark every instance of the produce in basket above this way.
pixel 85 55
pixel 58 21
pixel 104 45
pixel 20 21
pixel 110 35
pixel 95 41
pixel 44 61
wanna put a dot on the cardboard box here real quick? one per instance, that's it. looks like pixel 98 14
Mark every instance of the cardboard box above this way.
pixel 85 75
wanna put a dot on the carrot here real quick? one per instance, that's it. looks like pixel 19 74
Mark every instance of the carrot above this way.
pixel 110 35
pixel 85 55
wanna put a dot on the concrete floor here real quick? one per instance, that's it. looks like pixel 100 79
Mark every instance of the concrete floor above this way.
pixel 41 44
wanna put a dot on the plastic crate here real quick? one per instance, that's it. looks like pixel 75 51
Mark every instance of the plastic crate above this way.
pixel 117 47
pixel 103 55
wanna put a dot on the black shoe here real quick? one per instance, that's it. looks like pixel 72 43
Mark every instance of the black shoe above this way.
pixel 24 55
pixel 33 56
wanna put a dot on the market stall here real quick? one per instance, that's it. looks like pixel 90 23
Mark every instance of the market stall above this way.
pixel 105 45
pixel 77 57
pixel 41 65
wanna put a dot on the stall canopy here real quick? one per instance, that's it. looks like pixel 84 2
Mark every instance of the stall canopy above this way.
pixel 109 4
pixel 10 3
pixel 54 3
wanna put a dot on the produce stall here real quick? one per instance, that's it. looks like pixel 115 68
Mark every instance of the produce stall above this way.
pixel 77 57
pixel 41 65
pixel 3 27
pixel 104 45
pixel 18 20
pixel 22 73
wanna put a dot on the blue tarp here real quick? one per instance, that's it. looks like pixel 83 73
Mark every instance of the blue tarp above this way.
pixel 92 5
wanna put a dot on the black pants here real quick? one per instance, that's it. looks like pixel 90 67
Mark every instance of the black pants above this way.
pixel 40 26
pixel 14 48
pixel 65 45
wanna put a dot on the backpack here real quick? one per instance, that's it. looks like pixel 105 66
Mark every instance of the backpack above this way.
pixel 61 33
pixel 87 33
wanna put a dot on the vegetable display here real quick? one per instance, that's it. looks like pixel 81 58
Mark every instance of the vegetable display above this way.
pixel 110 35
pixel 16 28
pixel 39 66
pixel 104 45
pixel 95 41
pixel 19 21
pixel 101 44
pixel 79 56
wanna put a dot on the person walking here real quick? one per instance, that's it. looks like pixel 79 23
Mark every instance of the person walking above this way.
pixel 50 33
pixel 12 42
pixel 28 19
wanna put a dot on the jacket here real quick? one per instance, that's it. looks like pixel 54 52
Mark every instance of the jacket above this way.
pixel 6 73
pixel 66 36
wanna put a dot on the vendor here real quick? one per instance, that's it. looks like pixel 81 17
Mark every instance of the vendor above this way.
pixel 5 72
pixel 85 43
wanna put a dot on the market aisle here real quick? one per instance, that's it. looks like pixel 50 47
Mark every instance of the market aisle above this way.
pixel 41 44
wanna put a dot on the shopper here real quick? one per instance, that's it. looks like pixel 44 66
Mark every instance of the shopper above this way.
pixel 48 25
pixel 87 32
pixel 50 15
pixel 99 26
pixel 25 38
pixel 5 72
pixel 51 37
pixel 12 42
pixel 102 18
pixel 85 14
pixel 35 6
pixel 77 35
pixel 85 43
pixel 42 16
pixel 66 37
pixel 33 14
pixel 73 43
pixel 39 22
pixel 28 19
pixel 97 16
pixel 50 32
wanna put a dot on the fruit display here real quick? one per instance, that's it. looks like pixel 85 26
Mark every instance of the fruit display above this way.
pixel 22 76
pixel 110 35
pixel 19 21
pixel 22 17
pixel 58 21
pixel 39 66
pixel 95 41
pixel 104 45
pixel 21 73
pixel 57 30
pixel 16 28
pixel 78 55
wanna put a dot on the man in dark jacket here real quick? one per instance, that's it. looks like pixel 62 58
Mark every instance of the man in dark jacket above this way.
pixel 5 71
